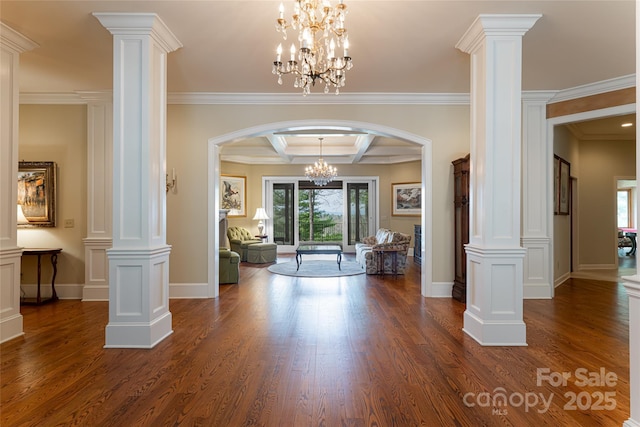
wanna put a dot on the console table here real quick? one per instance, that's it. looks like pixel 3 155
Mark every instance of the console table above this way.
pixel 39 252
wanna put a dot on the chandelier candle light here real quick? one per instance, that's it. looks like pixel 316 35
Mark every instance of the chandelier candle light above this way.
pixel 321 32
pixel 321 173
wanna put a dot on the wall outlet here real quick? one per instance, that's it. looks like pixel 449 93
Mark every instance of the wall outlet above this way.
pixel 69 223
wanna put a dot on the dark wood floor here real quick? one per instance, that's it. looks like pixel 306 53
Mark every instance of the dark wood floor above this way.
pixel 352 351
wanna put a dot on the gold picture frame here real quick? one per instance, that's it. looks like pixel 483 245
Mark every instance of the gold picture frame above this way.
pixel 37 194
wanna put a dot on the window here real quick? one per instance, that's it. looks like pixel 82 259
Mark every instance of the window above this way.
pixel 625 203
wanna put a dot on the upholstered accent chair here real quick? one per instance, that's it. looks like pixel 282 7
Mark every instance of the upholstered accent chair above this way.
pixel 240 238
pixel 229 268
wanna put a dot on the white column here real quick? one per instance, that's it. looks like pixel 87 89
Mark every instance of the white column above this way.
pixel 633 282
pixel 139 313
pixel 12 44
pixel 494 256
pixel 99 195
pixel 633 291
pixel 537 181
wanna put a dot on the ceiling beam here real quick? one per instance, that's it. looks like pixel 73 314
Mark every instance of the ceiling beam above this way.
pixel 362 145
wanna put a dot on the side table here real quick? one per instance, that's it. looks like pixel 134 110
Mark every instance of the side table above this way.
pixel 39 252
pixel 380 253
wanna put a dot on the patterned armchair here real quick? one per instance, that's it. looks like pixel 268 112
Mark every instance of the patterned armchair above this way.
pixel 366 255
pixel 239 239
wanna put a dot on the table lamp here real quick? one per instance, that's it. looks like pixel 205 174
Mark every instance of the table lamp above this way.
pixel 260 215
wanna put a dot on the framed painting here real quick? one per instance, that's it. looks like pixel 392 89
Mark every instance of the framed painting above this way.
pixel 233 194
pixel 406 199
pixel 36 194
pixel 564 187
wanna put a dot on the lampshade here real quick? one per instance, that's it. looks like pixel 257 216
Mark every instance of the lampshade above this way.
pixel 21 218
pixel 261 214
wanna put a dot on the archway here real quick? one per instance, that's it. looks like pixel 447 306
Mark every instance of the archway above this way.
pixel 213 178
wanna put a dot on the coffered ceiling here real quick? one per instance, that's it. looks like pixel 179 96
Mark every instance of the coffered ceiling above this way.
pixel 404 47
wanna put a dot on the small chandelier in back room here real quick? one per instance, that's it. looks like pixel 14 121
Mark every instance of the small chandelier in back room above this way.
pixel 320 173
pixel 321 37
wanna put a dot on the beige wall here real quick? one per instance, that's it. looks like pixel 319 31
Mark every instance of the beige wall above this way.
pixel 190 127
pixel 387 174
pixel 601 162
pixel 58 133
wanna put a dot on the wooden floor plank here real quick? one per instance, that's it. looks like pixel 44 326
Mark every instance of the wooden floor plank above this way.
pixel 355 351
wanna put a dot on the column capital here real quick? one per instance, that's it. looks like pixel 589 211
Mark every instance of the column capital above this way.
pixel 147 24
pixel 14 40
pixel 495 25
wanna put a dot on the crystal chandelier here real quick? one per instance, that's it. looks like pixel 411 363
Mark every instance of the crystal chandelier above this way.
pixel 320 173
pixel 321 32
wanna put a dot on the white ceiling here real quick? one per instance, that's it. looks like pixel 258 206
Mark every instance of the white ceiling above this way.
pixel 398 46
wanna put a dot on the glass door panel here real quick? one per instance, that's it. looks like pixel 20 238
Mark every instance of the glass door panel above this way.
pixel 358 214
pixel 283 199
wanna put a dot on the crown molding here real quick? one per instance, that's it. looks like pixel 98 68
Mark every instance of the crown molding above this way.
pixel 14 40
pixel 211 98
pixel 596 88
pixel 66 98
pixel 297 98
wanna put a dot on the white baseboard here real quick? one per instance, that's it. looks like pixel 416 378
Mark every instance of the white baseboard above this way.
pixel 64 291
pixel 537 291
pixel 188 290
pixel 101 293
pixel 597 267
pixel 441 289
pixel 560 280
pixel 95 293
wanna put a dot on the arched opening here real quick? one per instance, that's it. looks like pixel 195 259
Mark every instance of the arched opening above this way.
pixel 213 178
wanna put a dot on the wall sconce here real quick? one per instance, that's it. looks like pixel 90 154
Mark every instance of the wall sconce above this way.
pixel 171 183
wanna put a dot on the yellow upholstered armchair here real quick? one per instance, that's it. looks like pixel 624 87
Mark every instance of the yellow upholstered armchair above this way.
pixel 239 239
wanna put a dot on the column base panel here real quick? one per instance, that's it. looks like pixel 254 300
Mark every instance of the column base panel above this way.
pixel 11 328
pixel 504 333
pixel 138 334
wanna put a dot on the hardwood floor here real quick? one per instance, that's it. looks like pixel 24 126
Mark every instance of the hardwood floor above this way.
pixel 353 351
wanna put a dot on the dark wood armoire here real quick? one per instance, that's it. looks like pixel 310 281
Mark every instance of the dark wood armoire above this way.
pixel 461 226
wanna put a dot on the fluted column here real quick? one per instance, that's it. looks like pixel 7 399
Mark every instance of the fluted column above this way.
pixel 494 256
pixel 99 195
pixel 139 313
pixel 12 44
pixel 537 181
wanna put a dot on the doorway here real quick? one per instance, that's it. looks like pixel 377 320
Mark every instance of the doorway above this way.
pixel 341 212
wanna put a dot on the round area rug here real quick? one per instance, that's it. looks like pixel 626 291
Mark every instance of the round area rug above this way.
pixel 317 268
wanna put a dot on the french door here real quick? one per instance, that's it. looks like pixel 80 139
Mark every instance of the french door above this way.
pixel 340 212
